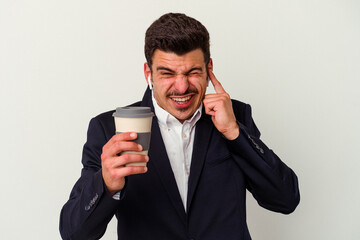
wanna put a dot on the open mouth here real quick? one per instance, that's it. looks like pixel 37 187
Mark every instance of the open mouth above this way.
pixel 181 100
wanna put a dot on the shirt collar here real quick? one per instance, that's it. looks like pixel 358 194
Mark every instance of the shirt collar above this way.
pixel 165 118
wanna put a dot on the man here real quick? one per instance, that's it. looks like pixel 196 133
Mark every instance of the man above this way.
pixel 205 152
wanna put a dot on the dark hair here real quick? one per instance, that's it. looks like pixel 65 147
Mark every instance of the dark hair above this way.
pixel 177 33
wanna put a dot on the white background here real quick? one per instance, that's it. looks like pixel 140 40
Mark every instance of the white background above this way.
pixel 296 62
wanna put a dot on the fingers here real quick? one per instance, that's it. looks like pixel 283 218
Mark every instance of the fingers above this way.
pixel 130 170
pixel 114 167
pixel 219 107
pixel 119 147
pixel 220 101
pixel 214 102
pixel 120 143
pixel 128 136
pixel 127 158
pixel 117 167
pixel 217 85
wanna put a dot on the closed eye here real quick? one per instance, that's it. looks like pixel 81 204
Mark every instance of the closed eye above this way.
pixel 194 73
pixel 167 74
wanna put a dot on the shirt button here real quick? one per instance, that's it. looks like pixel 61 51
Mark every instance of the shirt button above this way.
pixel 184 135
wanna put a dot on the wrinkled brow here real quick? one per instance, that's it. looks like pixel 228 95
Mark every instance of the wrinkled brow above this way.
pixel 172 71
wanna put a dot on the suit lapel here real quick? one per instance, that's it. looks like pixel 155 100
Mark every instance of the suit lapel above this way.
pixel 160 160
pixel 203 132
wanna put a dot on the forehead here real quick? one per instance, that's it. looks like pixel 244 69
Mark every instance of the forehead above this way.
pixel 194 58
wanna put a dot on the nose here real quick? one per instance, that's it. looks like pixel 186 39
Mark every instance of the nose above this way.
pixel 181 84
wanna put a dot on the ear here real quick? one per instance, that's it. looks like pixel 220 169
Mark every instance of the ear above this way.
pixel 210 65
pixel 147 72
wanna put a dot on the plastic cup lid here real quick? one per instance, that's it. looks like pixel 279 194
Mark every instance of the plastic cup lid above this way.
pixel 133 112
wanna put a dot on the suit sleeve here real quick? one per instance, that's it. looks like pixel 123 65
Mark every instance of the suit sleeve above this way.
pixel 90 207
pixel 273 184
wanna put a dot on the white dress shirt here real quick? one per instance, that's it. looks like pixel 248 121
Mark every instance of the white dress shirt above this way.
pixel 179 140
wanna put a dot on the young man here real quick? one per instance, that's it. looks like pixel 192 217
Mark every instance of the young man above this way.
pixel 205 152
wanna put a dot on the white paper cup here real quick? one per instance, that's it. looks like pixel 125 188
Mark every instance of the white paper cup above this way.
pixel 135 119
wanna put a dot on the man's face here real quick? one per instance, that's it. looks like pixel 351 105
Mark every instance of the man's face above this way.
pixel 179 82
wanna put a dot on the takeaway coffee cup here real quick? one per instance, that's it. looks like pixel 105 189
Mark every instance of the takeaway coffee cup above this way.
pixel 135 119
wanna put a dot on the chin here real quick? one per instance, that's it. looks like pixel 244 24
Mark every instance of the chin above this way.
pixel 184 116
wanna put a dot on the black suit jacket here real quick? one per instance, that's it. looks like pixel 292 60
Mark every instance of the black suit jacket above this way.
pixel 150 205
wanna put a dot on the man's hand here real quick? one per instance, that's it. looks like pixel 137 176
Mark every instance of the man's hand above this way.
pixel 114 170
pixel 219 106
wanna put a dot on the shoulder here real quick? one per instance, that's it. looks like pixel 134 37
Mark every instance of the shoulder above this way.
pixel 242 110
pixel 243 114
pixel 238 105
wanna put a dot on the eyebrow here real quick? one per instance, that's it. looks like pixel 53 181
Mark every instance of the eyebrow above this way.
pixel 165 69
pixel 172 71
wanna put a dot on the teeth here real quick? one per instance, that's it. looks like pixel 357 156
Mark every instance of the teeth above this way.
pixel 182 99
